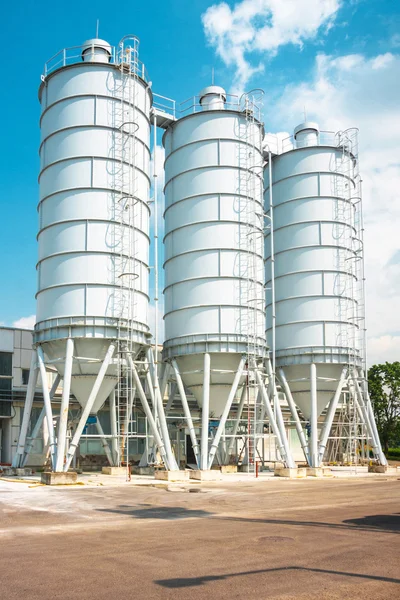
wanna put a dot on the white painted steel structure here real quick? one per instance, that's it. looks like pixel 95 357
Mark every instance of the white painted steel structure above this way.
pixel 93 268
pixel 214 280
pixel 318 284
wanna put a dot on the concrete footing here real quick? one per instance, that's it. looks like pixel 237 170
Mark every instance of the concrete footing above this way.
pixel 143 470
pixel 113 470
pixel 205 475
pixel 377 468
pixel 290 473
pixel 171 475
pixel 50 478
pixel 19 472
pixel 315 472
pixel 229 469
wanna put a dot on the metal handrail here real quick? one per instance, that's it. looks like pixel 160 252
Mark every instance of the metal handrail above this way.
pixel 73 55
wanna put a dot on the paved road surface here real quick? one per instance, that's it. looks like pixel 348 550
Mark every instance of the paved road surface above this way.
pixel 277 539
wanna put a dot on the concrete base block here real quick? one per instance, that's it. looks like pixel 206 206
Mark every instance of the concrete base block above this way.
pixel 229 469
pixel 143 470
pixel 315 472
pixel 205 475
pixel 171 475
pixel 290 473
pixel 113 470
pixel 377 468
pixel 50 478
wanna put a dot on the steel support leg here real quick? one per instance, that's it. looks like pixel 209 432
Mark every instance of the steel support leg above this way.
pixel 114 428
pixel 89 405
pixel 330 415
pixel 186 410
pixel 149 414
pixel 373 432
pixel 294 413
pixel 281 438
pixel 237 420
pixel 382 457
pixel 63 423
pixel 225 414
pixel 205 412
pixel 47 405
pixel 313 448
pixel 161 417
pixel 30 394
pixel 39 422
pixel 279 416
pixel 104 442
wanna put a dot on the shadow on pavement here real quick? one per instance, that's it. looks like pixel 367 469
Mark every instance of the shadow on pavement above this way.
pixel 158 512
pixel 197 581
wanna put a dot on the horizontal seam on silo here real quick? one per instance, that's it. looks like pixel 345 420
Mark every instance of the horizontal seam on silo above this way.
pixel 213 221
pixel 218 249
pixel 318 321
pixel 103 96
pixel 278 204
pixel 303 271
pixel 212 139
pixel 89 189
pixel 315 222
pixel 212 194
pixel 220 305
pixel 302 173
pixel 90 252
pixel 308 296
pixel 215 278
pixel 91 220
pixel 102 158
pixel 321 246
pixel 209 167
pixel 89 126
pixel 81 284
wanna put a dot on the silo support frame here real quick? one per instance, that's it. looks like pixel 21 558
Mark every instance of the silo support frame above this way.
pixel 104 442
pixel 228 405
pixel 47 406
pixel 327 425
pixel 205 412
pixel 294 413
pixel 186 410
pixel 30 394
pixel 114 428
pixel 149 415
pixel 89 405
pixel 39 422
pixel 237 420
pixel 370 411
pixel 278 430
pixel 173 466
pixel 369 419
pixel 63 422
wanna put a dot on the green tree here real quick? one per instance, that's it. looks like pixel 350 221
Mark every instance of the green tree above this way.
pixel 384 389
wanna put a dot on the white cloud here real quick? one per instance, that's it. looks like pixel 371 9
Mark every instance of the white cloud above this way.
pixel 25 322
pixel 355 91
pixel 261 27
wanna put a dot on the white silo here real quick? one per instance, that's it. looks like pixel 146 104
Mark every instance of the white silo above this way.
pixel 315 291
pixel 214 281
pixel 93 268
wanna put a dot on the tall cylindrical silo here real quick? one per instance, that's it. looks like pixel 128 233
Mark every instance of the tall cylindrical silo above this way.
pixel 214 281
pixel 316 315
pixel 93 268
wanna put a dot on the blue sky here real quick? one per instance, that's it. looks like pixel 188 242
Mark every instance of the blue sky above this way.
pixel 340 58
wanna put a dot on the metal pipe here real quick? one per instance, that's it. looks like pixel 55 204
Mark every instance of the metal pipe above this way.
pixel 237 420
pixel 186 410
pixel 148 412
pixel 205 413
pixel 47 405
pixel 39 422
pixel 326 427
pixel 294 413
pixel 272 255
pixel 30 394
pixel 281 439
pixel 221 426
pixel 161 417
pixel 155 246
pixel 313 417
pixel 164 381
pixel 89 405
pixel 63 423
pixel 104 442
pixel 114 428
